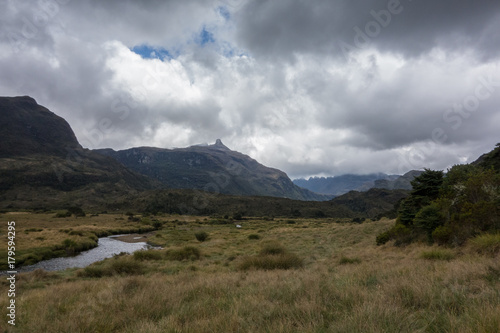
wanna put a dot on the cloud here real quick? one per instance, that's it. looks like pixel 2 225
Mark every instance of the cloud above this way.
pixel 284 28
pixel 312 88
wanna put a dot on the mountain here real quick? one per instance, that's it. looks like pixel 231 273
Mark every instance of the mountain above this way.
pixel 343 184
pixel 27 128
pixel 402 182
pixel 42 162
pixel 340 184
pixel 213 168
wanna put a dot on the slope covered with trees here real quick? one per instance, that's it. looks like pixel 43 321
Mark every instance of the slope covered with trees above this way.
pixel 451 208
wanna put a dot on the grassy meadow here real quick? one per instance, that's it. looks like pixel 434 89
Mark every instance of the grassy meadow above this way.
pixel 274 275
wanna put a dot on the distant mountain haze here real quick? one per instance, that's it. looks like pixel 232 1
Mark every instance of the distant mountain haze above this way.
pixel 343 184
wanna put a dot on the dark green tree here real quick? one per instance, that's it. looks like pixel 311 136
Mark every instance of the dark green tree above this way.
pixel 425 189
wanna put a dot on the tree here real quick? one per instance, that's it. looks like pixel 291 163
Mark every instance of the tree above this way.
pixel 425 189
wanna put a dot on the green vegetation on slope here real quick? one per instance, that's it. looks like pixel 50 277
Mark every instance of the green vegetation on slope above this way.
pixel 451 208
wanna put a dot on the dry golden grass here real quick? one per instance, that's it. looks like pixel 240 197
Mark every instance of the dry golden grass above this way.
pixel 347 284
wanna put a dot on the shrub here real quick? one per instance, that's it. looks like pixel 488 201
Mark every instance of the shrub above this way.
pixel 442 235
pixel 201 236
pixel 77 211
pixel 253 236
pixel 383 238
pixel 486 244
pixel 157 224
pixel 185 253
pixel 62 214
pixel 399 232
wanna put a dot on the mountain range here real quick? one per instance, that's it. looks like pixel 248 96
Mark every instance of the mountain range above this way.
pixel 345 183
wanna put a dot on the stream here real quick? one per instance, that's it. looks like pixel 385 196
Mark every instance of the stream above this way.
pixel 106 248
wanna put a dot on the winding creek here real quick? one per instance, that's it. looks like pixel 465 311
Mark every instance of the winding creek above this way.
pixel 107 247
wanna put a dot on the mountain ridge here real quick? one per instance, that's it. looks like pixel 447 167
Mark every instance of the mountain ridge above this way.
pixel 212 168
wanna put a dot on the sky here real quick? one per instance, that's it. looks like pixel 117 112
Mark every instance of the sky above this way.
pixel 311 87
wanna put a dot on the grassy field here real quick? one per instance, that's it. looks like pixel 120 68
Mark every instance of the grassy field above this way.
pixel 336 280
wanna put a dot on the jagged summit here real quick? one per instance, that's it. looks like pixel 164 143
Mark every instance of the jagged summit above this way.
pixel 219 145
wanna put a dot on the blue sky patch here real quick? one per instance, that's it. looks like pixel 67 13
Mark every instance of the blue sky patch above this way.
pixel 205 37
pixel 224 12
pixel 151 52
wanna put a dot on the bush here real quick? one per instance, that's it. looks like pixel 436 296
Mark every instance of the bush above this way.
pixel 442 235
pixel 77 211
pixel 62 214
pixel 157 224
pixel 201 236
pixel 253 236
pixel 399 232
pixel 383 238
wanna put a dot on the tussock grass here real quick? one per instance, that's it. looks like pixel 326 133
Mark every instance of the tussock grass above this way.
pixel 185 253
pixel 346 260
pixel 486 244
pixel 272 256
pixel 201 236
pixel 438 254
pixel 118 265
pixel 148 255
pixel 268 262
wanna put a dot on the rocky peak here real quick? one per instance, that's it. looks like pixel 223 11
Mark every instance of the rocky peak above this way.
pixel 219 145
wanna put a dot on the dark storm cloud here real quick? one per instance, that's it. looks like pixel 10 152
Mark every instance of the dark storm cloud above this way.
pixel 281 28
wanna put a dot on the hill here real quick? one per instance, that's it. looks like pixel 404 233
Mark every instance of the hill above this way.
pixel 213 168
pixel 489 160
